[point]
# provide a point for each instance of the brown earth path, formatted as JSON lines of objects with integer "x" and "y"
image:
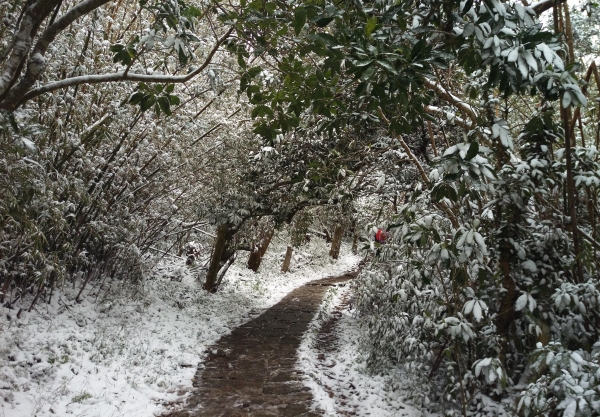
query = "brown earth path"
{"x": 252, "y": 370}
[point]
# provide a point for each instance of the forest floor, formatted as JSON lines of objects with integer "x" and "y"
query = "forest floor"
{"x": 334, "y": 367}
{"x": 255, "y": 370}
{"x": 133, "y": 350}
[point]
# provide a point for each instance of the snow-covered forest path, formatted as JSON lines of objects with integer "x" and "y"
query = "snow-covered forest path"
{"x": 252, "y": 370}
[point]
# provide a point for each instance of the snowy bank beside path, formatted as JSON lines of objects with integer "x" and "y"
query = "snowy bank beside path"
{"x": 335, "y": 371}
{"x": 135, "y": 351}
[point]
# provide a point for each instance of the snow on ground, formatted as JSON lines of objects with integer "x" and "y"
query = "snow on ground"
{"x": 336, "y": 373}
{"x": 132, "y": 352}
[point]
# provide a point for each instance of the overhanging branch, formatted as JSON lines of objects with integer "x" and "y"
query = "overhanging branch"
{"x": 452, "y": 99}
{"x": 123, "y": 76}
{"x": 541, "y": 6}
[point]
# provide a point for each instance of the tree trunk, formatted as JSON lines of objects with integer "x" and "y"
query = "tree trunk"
{"x": 507, "y": 313}
{"x": 288, "y": 259}
{"x": 254, "y": 259}
{"x": 355, "y": 244}
{"x": 336, "y": 242}
{"x": 571, "y": 195}
{"x": 223, "y": 271}
{"x": 7, "y": 281}
{"x": 215, "y": 261}
{"x": 256, "y": 256}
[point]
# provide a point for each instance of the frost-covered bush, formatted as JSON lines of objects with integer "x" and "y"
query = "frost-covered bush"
{"x": 481, "y": 269}
{"x": 96, "y": 178}
{"x": 569, "y": 384}
{"x": 478, "y": 289}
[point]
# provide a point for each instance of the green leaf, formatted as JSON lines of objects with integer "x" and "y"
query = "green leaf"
{"x": 323, "y": 21}
{"x": 191, "y": 11}
{"x": 257, "y": 98}
{"x": 244, "y": 82}
{"x": 443, "y": 190}
{"x": 468, "y": 6}
{"x": 13, "y": 122}
{"x": 270, "y": 7}
{"x": 387, "y": 65}
{"x": 368, "y": 72}
{"x": 165, "y": 106}
{"x": 363, "y": 63}
{"x": 299, "y": 19}
{"x": 326, "y": 38}
{"x": 122, "y": 56}
{"x": 473, "y": 150}
{"x": 416, "y": 50}
{"x": 117, "y": 47}
{"x": 170, "y": 88}
{"x": 440, "y": 63}
{"x": 240, "y": 59}
{"x": 371, "y": 25}
{"x": 254, "y": 71}
{"x": 136, "y": 98}
{"x": 461, "y": 276}
{"x": 360, "y": 90}
{"x": 261, "y": 111}
{"x": 174, "y": 100}
{"x": 392, "y": 12}
{"x": 147, "y": 102}
{"x": 183, "y": 59}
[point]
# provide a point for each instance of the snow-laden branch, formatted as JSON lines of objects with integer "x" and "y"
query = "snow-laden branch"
{"x": 37, "y": 62}
{"x": 452, "y": 99}
{"x": 453, "y": 118}
{"x": 543, "y": 5}
{"x": 124, "y": 76}
{"x": 32, "y": 18}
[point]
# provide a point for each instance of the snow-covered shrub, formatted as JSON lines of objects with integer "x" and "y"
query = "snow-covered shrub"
{"x": 93, "y": 184}
{"x": 478, "y": 288}
{"x": 568, "y": 382}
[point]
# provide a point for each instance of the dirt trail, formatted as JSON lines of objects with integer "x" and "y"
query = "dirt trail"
{"x": 252, "y": 370}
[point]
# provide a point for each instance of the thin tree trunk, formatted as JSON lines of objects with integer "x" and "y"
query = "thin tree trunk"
{"x": 224, "y": 270}
{"x": 571, "y": 194}
{"x": 569, "y": 143}
{"x": 258, "y": 252}
{"x": 215, "y": 262}
{"x": 336, "y": 244}
{"x": 569, "y": 33}
{"x": 7, "y": 281}
{"x": 355, "y": 243}
{"x": 288, "y": 259}
{"x": 506, "y": 314}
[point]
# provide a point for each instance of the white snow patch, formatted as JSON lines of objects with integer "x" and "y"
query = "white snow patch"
{"x": 339, "y": 380}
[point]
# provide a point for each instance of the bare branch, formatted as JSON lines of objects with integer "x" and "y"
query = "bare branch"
{"x": 422, "y": 172}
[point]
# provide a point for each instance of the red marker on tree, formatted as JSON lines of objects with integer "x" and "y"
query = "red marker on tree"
{"x": 380, "y": 236}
